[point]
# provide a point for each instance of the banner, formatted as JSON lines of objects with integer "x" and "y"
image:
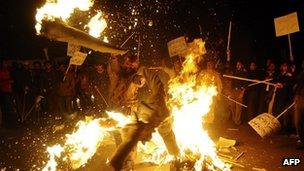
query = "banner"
{"x": 78, "y": 58}
{"x": 72, "y": 48}
{"x": 286, "y": 24}
{"x": 177, "y": 46}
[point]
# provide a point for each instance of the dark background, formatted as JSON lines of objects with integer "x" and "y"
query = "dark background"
{"x": 253, "y": 35}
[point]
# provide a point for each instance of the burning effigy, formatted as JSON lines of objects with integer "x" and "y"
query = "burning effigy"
{"x": 190, "y": 96}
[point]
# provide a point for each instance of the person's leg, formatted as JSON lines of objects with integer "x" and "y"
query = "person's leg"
{"x": 165, "y": 130}
{"x": 298, "y": 116}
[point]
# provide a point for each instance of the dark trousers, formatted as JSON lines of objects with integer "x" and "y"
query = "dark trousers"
{"x": 9, "y": 116}
{"x": 65, "y": 104}
{"x": 299, "y": 116}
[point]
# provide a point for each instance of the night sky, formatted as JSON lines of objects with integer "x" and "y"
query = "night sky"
{"x": 253, "y": 35}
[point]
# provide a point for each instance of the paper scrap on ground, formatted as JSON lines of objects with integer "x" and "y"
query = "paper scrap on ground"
{"x": 225, "y": 143}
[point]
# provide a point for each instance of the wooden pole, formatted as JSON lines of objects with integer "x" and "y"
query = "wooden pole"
{"x": 126, "y": 40}
{"x": 66, "y": 72}
{"x": 228, "y": 42}
{"x": 250, "y": 80}
{"x": 290, "y": 49}
{"x": 138, "y": 47}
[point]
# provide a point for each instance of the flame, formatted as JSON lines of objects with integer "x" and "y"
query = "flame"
{"x": 121, "y": 119}
{"x": 105, "y": 39}
{"x": 154, "y": 151}
{"x": 54, "y": 151}
{"x": 60, "y": 9}
{"x": 97, "y": 25}
{"x": 191, "y": 97}
{"x": 82, "y": 144}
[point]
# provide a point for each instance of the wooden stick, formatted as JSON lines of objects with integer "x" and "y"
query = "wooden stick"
{"x": 290, "y": 49}
{"x": 66, "y": 72}
{"x": 138, "y": 47}
{"x": 240, "y": 155}
{"x": 126, "y": 40}
{"x": 259, "y": 83}
{"x": 225, "y": 155}
{"x": 228, "y": 42}
{"x": 241, "y": 104}
{"x": 285, "y": 110}
{"x": 250, "y": 80}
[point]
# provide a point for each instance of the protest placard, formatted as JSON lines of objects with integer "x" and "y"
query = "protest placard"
{"x": 72, "y": 48}
{"x": 78, "y": 58}
{"x": 286, "y": 24}
{"x": 177, "y": 46}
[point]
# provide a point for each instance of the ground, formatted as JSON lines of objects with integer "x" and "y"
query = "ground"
{"x": 25, "y": 147}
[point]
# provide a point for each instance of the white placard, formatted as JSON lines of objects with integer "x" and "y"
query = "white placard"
{"x": 177, "y": 46}
{"x": 286, "y": 24}
{"x": 72, "y": 48}
{"x": 265, "y": 124}
{"x": 78, "y": 58}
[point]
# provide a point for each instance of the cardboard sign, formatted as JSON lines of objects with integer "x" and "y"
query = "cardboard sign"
{"x": 286, "y": 24}
{"x": 72, "y": 48}
{"x": 177, "y": 46}
{"x": 265, "y": 124}
{"x": 78, "y": 58}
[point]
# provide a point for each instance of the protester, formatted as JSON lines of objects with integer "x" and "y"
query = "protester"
{"x": 50, "y": 86}
{"x": 66, "y": 89}
{"x": 284, "y": 94}
{"x": 99, "y": 85}
{"x": 252, "y": 92}
{"x": 238, "y": 89}
{"x": 8, "y": 113}
{"x": 83, "y": 88}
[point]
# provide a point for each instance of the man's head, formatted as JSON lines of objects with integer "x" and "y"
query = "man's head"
{"x": 5, "y": 64}
{"x": 99, "y": 68}
{"x": 271, "y": 67}
{"x": 37, "y": 65}
{"x": 252, "y": 66}
{"x": 239, "y": 65}
{"x": 131, "y": 62}
{"x": 284, "y": 67}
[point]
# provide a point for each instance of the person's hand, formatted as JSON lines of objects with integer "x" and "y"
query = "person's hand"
{"x": 279, "y": 85}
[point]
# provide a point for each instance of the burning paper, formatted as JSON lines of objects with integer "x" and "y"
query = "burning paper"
{"x": 60, "y": 9}
{"x": 97, "y": 25}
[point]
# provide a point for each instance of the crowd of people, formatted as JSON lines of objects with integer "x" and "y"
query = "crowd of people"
{"x": 49, "y": 89}
{"x": 63, "y": 91}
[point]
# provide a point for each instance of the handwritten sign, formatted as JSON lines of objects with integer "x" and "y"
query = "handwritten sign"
{"x": 177, "y": 46}
{"x": 72, "y": 48}
{"x": 78, "y": 58}
{"x": 286, "y": 24}
{"x": 265, "y": 124}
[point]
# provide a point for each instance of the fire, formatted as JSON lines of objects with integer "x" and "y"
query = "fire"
{"x": 54, "y": 151}
{"x": 97, "y": 25}
{"x": 82, "y": 144}
{"x": 60, "y": 9}
{"x": 191, "y": 98}
{"x": 154, "y": 151}
{"x": 63, "y": 9}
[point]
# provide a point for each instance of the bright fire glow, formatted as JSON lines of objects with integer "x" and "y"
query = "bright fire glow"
{"x": 54, "y": 152}
{"x": 60, "y": 9}
{"x": 191, "y": 98}
{"x": 97, "y": 25}
{"x": 82, "y": 144}
{"x": 154, "y": 151}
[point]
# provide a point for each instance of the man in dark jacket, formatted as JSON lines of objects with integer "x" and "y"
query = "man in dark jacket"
{"x": 148, "y": 115}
